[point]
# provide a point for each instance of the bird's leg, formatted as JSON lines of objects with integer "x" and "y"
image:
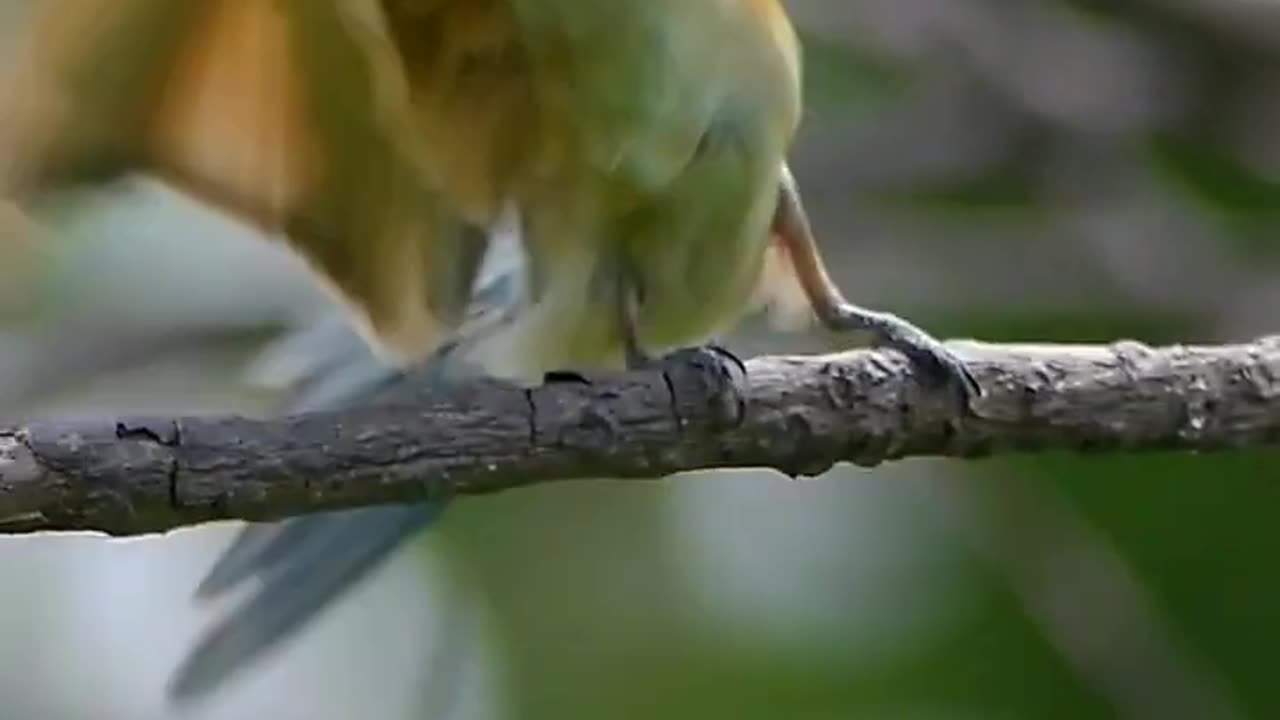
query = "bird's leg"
{"x": 628, "y": 305}
{"x": 938, "y": 364}
{"x": 628, "y": 302}
{"x": 728, "y": 369}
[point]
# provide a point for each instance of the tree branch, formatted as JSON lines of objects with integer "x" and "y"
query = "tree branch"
{"x": 799, "y": 415}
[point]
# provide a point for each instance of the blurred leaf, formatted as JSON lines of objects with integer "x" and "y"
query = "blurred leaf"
{"x": 837, "y": 75}
{"x": 1200, "y": 533}
{"x": 1245, "y": 204}
{"x": 1212, "y": 176}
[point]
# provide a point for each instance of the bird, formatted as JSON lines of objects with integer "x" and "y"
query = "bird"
{"x": 623, "y": 163}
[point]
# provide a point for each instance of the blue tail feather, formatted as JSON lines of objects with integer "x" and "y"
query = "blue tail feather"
{"x": 306, "y": 563}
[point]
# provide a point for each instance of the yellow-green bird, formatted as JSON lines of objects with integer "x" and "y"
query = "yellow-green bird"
{"x": 635, "y": 149}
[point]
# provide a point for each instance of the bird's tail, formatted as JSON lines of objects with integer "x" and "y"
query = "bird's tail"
{"x": 305, "y": 563}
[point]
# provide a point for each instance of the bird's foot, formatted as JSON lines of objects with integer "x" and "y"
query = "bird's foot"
{"x": 710, "y": 371}
{"x": 937, "y": 365}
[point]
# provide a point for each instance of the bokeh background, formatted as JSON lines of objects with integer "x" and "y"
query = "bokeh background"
{"x": 1001, "y": 169}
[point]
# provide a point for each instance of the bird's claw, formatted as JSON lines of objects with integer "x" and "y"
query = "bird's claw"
{"x": 573, "y": 377}
{"x": 711, "y": 361}
{"x": 938, "y": 366}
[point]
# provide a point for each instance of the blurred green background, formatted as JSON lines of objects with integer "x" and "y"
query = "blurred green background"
{"x": 1001, "y": 169}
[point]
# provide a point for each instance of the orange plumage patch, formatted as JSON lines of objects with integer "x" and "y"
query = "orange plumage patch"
{"x": 779, "y": 290}
{"x": 232, "y": 118}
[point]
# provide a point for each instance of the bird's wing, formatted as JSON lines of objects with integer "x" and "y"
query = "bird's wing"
{"x": 289, "y": 114}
